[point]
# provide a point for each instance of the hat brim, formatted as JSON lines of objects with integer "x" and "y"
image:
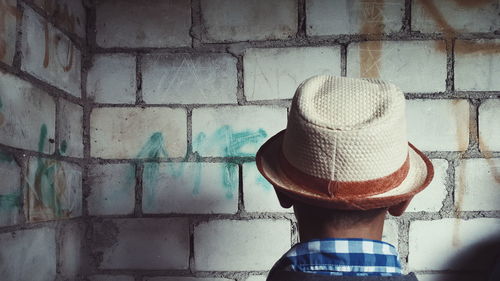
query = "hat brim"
{"x": 419, "y": 176}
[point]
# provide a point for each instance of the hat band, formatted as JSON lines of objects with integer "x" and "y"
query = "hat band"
{"x": 345, "y": 189}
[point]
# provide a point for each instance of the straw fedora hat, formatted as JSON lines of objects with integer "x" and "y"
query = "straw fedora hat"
{"x": 345, "y": 147}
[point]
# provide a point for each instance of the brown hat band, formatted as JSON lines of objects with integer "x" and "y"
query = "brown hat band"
{"x": 344, "y": 189}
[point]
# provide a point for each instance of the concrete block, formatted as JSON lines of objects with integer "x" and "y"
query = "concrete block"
{"x": 388, "y": 59}
{"x": 258, "y": 193}
{"x": 233, "y": 245}
{"x": 477, "y": 64}
{"x": 489, "y": 135}
{"x": 112, "y": 189}
{"x": 143, "y": 244}
{"x": 242, "y": 20}
{"x": 476, "y": 185}
{"x": 438, "y": 125}
{"x": 70, "y": 251}
{"x": 10, "y": 190}
{"x": 461, "y": 244}
{"x": 454, "y": 16}
{"x": 199, "y": 188}
{"x": 275, "y": 73}
{"x": 102, "y": 277}
{"x": 49, "y": 55}
{"x": 9, "y": 15}
{"x": 54, "y": 190}
{"x": 390, "y": 233}
{"x": 158, "y": 132}
{"x": 227, "y": 131}
{"x": 177, "y": 278}
{"x": 70, "y": 129}
{"x": 112, "y": 78}
{"x": 28, "y": 253}
{"x": 432, "y": 197}
{"x": 325, "y": 17}
{"x": 189, "y": 78}
{"x": 27, "y": 115}
{"x": 68, "y": 14}
{"x": 135, "y": 24}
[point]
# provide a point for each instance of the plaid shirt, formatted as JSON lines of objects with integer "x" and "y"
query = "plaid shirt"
{"x": 349, "y": 257}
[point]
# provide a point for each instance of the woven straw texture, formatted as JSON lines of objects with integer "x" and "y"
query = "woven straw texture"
{"x": 335, "y": 132}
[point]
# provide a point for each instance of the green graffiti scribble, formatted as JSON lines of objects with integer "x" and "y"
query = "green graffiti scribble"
{"x": 10, "y": 201}
{"x": 232, "y": 143}
{"x": 229, "y": 178}
{"x": 49, "y": 182}
{"x": 153, "y": 149}
{"x": 6, "y": 157}
{"x": 63, "y": 147}
{"x": 262, "y": 182}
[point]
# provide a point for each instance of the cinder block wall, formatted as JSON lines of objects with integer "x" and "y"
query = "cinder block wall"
{"x": 178, "y": 95}
{"x": 41, "y": 139}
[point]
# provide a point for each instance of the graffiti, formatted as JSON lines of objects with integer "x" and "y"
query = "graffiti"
{"x": 64, "y": 51}
{"x": 63, "y": 147}
{"x": 47, "y": 190}
{"x": 5, "y": 10}
{"x": 61, "y": 14}
{"x": 449, "y": 32}
{"x": 370, "y": 52}
{"x": 9, "y": 201}
{"x": 65, "y": 60}
{"x": 230, "y": 141}
{"x": 234, "y": 141}
{"x": 262, "y": 182}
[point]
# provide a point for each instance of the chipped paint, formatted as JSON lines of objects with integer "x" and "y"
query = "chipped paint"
{"x": 47, "y": 187}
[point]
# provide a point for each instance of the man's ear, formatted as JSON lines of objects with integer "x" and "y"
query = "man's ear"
{"x": 399, "y": 209}
{"x": 285, "y": 202}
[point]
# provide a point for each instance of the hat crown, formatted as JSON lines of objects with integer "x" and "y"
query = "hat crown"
{"x": 340, "y": 103}
{"x": 346, "y": 129}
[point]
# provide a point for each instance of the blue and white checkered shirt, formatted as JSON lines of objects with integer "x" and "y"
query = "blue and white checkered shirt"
{"x": 342, "y": 257}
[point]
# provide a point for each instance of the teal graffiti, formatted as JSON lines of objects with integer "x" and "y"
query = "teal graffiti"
{"x": 63, "y": 147}
{"x": 6, "y": 157}
{"x": 262, "y": 182}
{"x": 49, "y": 182}
{"x": 12, "y": 200}
{"x": 154, "y": 149}
{"x": 231, "y": 142}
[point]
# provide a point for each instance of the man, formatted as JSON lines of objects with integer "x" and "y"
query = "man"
{"x": 343, "y": 162}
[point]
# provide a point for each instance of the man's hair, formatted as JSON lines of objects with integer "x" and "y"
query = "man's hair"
{"x": 335, "y": 217}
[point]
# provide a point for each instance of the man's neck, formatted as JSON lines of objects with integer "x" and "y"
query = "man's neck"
{"x": 364, "y": 231}
{"x": 309, "y": 230}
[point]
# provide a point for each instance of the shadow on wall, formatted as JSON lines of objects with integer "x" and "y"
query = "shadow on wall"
{"x": 483, "y": 257}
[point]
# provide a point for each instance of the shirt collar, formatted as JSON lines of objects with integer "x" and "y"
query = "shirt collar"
{"x": 353, "y": 256}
